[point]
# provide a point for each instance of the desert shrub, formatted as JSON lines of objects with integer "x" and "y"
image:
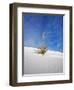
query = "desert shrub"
{"x": 42, "y": 50}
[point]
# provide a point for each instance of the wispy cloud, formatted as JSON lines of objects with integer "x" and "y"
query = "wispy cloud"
{"x": 43, "y": 35}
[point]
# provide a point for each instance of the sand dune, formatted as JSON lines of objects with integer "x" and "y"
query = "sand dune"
{"x": 34, "y": 63}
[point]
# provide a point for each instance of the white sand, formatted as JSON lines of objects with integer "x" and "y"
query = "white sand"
{"x": 34, "y": 63}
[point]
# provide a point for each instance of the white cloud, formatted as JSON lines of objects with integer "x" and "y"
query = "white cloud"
{"x": 43, "y": 35}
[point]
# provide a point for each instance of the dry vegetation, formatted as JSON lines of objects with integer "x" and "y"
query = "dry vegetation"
{"x": 42, "y": 50}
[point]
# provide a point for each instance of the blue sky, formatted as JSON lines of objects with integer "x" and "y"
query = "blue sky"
{"x": 44, "y": 30}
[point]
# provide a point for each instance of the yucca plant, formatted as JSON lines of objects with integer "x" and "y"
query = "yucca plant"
{"x": 42, "y": 50}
